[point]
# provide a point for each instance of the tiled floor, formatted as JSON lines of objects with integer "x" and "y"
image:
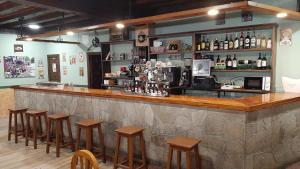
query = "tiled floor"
{"x": 6, "y": 101}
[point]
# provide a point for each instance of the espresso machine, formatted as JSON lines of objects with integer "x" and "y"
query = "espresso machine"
{"x": 172, "y": 75}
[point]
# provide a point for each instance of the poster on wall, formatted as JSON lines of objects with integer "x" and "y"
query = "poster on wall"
{"x": 41, "y": 71}
{"x": 19, "y": 67}
{"x": 65, "y": 70}
{"x": 81, "y": 57}
{"x": 286, "y": 37}
{"x": 64, "y": 57}
{"x": 72, "y": 60}
{"x": 81, "y": 71}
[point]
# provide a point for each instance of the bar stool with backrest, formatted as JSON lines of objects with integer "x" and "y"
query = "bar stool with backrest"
{"x": 86, "y": 160}
{"x": 37, "y": 128}
{"x": 130, "y": 132}
{"x": 59, "y": 142}
{"x": 89, "y": 125}
{"x": 13, "y": 113}
{"x": 185, "y": 144}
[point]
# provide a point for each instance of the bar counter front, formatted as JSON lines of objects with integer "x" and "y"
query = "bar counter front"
{"x": 255, "y": 132}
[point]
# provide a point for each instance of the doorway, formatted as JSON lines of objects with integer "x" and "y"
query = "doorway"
{"x": 53, "y": 68}
{"x": 94, "y": 70}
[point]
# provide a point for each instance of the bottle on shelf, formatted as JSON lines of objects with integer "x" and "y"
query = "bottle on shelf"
{"x": 264, "y": 62}
{"x": 203, "y": 43}
{"x": 226, "y": 60}
{"x": 234, "y": 62}
{"x": 221, "y": 44}
{"x": 236, "y": 42}
{"x": 245, "y": 62}
{"x": 242, "y": 39}
{"x": 216, "y": 44}
{"x": 263, "y": 42}
{"x": 247, "y": 41}
{"x": 207, "y": 45}
{"x": 211, "y": 45}
{"x": 218, "y": 59}
{"x": 269, "y": 43}
{"x": 226, "y": 43}
{"x": 212, "y": 62}
{"x": 198, "y": 48}
{"x": 259, "y": 62}
{"x": 253, "y": 40}
{"x": 229, "y": 63}
{"x": 258, "y": 41}
{"x": 231, "y": 43}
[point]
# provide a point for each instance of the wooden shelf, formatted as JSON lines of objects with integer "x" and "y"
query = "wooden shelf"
{"x": 117, "y": 60}
{"x": 241, "y": 70}
{"x": 116, "y": 86}
{"x": 118, "y": 42}
{"x": 173, "y": 53}
{"x": 238, "y": 50}
{"x": 118, "y": 78}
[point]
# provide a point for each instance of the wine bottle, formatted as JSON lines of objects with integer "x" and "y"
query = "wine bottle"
{"x": 221, "y": 45}
{"x": 229, "y": 63}
{"x": 263, "y": 42}
{"x": 226, "y": 43}
{"x": 216, "y": 44}
{"x": 247, "y": 41}
{"x": 234, "y": 62}
{"x": 259, "y": 62}
{"x": 242, "y": 39}
{"x": 269, "y": 43}
{"x": 207, "y": 44}
{"x": 212, "y": 62}
{"x": 203, "y": 43}
{"x": 231, "y": 43}
{"x": 264, "y": 62}
{"x": 236, "y": 42}
{"x": 226, "y": 60}
{"x": 199, "y": 45}
{"x": 253, "y": 40}
{"x": 258, "y": 41}
{"x": 211, "y": 45}
{"x": 245, "y": 62}
{"x": 218, "y": 59}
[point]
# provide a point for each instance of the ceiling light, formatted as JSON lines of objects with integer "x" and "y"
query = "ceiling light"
{"x": 120, "y": 25}
{"x": 29, "y": 39}
{"x": 70, "y": 33}
{"x": 282, "y": 15}
{"x": 34, "y": 26}
{"x": 213, "y": 12}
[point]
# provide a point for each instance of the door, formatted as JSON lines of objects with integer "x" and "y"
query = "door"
{"x": 53, "y": 68}
{"x": 94, "y": 70}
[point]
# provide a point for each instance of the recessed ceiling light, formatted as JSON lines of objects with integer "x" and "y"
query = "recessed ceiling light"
{"x": 34, "y": 26}
{"x": 70, "y": 33}
{"x": 282, "y": 15}
{"x": 213, "y": 12}
{"x": 29, "y": 39}
{"x": 120, "y": 25}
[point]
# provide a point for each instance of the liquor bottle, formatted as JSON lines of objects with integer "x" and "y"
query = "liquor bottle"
{"x": 253, "y": 40}
{"x": 229, "y": 63}
{"x": 218, "y": 59}
{"x": 259, "y": 62}
{"x": 234, "y": 62}
{"x": 269, "y": 43}
{"x": 231, "y": 43}
{"x": 242, "y": 39}
{"x": 247, "y": 41}
{"x": 245, "y": 62}
{"x": 212, "y": 62}
{"x": 236, "y": 42}
{"x": 264, "y": 62}
{"x": 221, "y": 45}
{"x": 258, "y": 41}
{"x": 263, "y": 42}
{"x": 207, "y": 44}
{"x": 203, "y": 43}
{"x": 198, "y": 48}
{"x": 216, "y": 44}
{"x": 226, "y": 60}
{"x": 211, "y": 45}
{"x": 226, "y": 43}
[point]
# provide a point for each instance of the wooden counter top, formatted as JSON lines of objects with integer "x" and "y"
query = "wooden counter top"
{"x": 246, "y": 104}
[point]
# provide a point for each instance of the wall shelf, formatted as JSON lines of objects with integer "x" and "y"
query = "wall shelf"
{"x": 241, "y": 70}
{"x": 173, "y": 53}
{"x": 119, "y": 42}
{"x": 238, "y": 50}
{"x": 130, "y": 60}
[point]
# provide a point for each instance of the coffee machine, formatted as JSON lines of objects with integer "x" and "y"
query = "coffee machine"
{"x": 172, "y": 75}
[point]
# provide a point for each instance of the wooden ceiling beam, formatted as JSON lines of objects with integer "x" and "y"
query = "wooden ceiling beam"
{"x": 7, "y": 5}
{"x": 66, "y": 20}
{"x": 238, "y": 6}
{"x": 20, "y": 13}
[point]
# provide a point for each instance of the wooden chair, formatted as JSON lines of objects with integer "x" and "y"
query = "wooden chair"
{"x": 86, "y": 159}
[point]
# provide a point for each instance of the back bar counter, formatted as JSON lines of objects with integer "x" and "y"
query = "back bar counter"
{"x": 244, "y": 133}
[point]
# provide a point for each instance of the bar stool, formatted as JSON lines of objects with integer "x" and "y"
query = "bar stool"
{"x": 31, "y": 134}
{"x": 183, "y": 144}
{"x": 14, "y": 129}
{"x": 130, "y": 132}
{"x": 89, "y": 125}
{"x": 59, "y": 142}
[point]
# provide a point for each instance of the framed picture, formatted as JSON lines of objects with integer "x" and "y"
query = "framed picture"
{"x": 286, "y": 37}
{"x": 19, "y": 67}
{"x": 18, "y": 47}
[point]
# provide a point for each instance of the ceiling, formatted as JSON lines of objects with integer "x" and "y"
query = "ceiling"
{"x": 66, "y": 14}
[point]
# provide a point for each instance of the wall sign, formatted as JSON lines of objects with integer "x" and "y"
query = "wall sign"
{"x": 19, "y": 67}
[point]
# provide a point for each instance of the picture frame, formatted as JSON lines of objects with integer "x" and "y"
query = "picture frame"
{"x": 18, "y": 48}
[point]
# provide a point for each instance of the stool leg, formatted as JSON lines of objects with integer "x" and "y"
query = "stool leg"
{"x": 35, "y": 132}
{"x": 143, "y": 150}
{"x": 62, "y": 132}
{"x": 178, "y": 159}
{"x": 130, "y": 152}
{"x": 48, "y": 135}
{"x": 46, "y": 125}
{"x": 9, "y": 126}
{"x": 117, "y": 149}
{"x": 27, "y": 129}
{"x": 40, "y": 127}
{"x": 58, "y": 136}
{"x": 101, "y": 140}
{"x": 16, "y": 127}
{"x": 88, "y": 138}
{"x": 198, "y": 162}
{"x": 22, "y": 124}
{"x": 170, "y": 155}
{"x": 188, "y": 160}
{"x": 78, "y": 137}
{"x": 70, "y": 134}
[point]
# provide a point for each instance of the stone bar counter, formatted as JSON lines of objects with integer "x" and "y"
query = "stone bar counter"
{"x": 256, "y": 132}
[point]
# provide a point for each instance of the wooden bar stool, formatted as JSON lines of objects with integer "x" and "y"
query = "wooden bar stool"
{"x": 59, "y": 142}
{"x": 14, "y": 129}
{"x": 36, "y": 131}
{"x": 89, "y": 125}
{"x": 183, "y": 144}
{"x": 130, "y": 133}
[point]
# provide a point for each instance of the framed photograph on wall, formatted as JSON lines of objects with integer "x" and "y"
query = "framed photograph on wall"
{"x": 19, "y": 67}
{"x": 18, "y": 48}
